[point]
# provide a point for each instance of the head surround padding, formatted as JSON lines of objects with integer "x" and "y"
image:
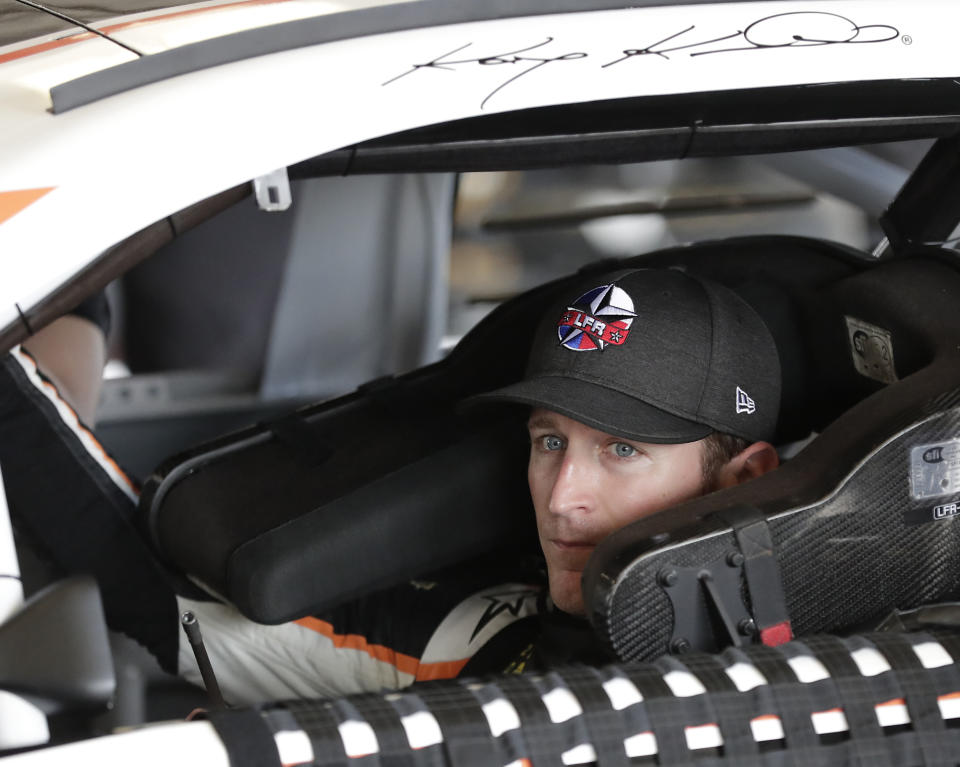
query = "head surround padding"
{"x": 257, "y": 519}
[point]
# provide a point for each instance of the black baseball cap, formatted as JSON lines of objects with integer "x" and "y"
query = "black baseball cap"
{"x": 655, "y": 355}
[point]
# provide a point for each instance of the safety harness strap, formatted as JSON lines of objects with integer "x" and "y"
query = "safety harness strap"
{"x": 762, "y": 573}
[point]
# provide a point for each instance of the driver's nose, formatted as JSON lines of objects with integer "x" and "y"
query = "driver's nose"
{"x": 574, "y": 490}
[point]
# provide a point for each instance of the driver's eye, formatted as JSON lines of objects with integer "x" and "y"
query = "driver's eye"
{"x": 623, "y": 450}
{"x": 552, "y": 442}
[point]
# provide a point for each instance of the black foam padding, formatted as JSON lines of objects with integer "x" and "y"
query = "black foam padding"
{"x": 790, "y": 282}
{"x": 311, "y": 563}
{"x": 307, "y": 537}
{"x": 283, "y": 537}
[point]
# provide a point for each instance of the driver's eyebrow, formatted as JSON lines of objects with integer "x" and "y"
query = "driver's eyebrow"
{"x": 541, "y": 422}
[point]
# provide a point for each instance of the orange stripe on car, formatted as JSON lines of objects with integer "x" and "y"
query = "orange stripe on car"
{"x": 406, "y": 664}
{"x": 13, "y": 202}
{"x": 47, "y": 46}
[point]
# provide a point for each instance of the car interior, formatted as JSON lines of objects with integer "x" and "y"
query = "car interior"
{"x": 247, "y": 448}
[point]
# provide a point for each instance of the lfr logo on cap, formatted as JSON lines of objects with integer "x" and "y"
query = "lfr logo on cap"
{"x": 599, "y": 317}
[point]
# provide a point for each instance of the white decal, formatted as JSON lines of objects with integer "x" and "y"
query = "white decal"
{"x": 935, "y": 471}
{"x": 745, "y": 403}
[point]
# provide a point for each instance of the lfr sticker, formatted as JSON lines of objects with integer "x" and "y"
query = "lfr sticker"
{"x": 935, "y": 470}
{"x": 925, "y": 514}
{"x": 872, "y": 350}
{"x": 945, "y": 510}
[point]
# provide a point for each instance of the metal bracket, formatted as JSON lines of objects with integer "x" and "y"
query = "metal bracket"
{"x": 708, "y": 608}
{"x": 273, "y": 191}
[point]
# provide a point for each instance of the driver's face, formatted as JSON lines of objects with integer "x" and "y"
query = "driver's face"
{"x": 585, "y": 484}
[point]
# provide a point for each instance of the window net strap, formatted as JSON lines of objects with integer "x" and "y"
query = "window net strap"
{"x": 870, "y": 700}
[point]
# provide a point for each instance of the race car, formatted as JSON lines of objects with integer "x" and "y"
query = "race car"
{"x": 175, "y": 130}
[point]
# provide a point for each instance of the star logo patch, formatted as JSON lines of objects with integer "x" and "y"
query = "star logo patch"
{"x": 600, "y": 317}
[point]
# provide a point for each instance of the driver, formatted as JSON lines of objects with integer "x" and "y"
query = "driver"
{"x": 648, "y": 388}
{"x": 644, "y": 388}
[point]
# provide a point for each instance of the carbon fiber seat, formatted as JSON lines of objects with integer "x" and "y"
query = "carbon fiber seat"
{"x": 861, "y": 522}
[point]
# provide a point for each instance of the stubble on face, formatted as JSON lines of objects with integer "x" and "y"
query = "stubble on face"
{"x": 585, "y": 484}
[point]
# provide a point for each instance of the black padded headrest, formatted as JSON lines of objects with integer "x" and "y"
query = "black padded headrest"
{"x": 789, "y": 282}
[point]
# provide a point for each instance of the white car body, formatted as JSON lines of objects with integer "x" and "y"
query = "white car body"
{"x": 98, "y": 143}
{"x": 75, "y": 182}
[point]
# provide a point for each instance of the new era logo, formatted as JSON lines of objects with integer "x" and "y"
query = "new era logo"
{"x": 745, "y": 403}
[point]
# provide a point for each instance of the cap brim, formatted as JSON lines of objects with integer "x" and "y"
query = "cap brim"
{"x": 598, "y": 407}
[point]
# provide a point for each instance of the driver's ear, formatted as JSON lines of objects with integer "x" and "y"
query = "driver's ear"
{"x": 751, "y": 462}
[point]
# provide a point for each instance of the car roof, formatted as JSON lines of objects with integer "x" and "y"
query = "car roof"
{"x": 103, "y": 138}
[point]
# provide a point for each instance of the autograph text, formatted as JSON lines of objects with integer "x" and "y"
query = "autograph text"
{"x": 800, "y": 29}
